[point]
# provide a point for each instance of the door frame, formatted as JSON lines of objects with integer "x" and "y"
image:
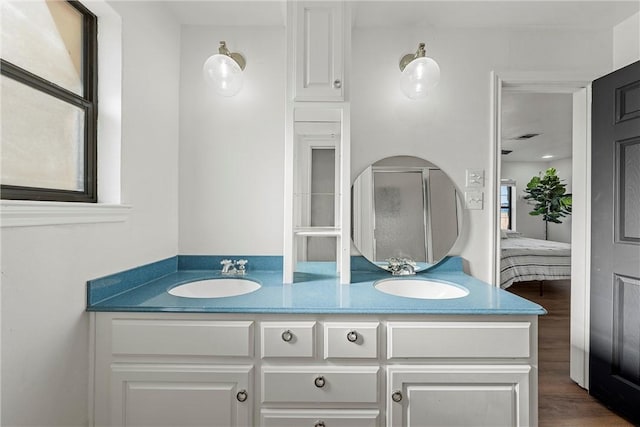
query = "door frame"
{"x": 578, "y": 84}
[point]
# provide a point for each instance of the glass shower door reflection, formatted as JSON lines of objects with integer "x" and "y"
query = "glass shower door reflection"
{"x": 399, "y": 215}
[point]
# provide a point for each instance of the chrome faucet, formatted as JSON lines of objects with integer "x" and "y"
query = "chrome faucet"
{"x": 234, "y": 266}
{"x": 241, "y": 266}
{"x": 401, "y": 266}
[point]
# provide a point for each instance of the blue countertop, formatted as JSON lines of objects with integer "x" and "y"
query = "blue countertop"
{"x": 316, "y": 289}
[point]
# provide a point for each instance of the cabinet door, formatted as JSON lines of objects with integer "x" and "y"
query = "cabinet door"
{"x": 319, "y": 51}
{"x": 474, "y": 396}
{"x": 180, "y": 395}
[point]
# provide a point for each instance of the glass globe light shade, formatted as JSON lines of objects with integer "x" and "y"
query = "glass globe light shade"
{"x": 419, "y": 77}
{"x": 223, "y": 74}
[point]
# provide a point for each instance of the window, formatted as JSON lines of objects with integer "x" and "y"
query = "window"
{"x": 49, "y": 101}
{"x": 507, "y": 206}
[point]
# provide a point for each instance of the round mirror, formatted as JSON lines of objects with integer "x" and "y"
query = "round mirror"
{"x": 405, "y": 208}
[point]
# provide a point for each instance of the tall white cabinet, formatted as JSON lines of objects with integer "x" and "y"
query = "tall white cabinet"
{"x": 317, "y": 142}
{"x": 319, "y": 45}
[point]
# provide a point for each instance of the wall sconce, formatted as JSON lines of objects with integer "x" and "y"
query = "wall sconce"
{"x": 419, "y": 74}
{"x": 223, "y": 71}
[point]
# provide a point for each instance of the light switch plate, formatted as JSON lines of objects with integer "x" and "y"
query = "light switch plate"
{"x": 474, "y": 199}
{"x": 475, "y": 178}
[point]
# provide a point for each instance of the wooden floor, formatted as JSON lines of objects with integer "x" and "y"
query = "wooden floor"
{"x": 561, "y": 401}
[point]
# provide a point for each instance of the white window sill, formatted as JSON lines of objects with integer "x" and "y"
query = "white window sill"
{"x": 25, "y": 213}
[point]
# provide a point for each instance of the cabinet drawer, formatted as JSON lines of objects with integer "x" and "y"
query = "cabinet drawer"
{"x": 458, "y": 339}
{"x": 321, "y": 417}
{"x": 320, "y": 384}
{"x": 351, "y": 340}
{"x": 182, "y": 337}
{"x": 287, "y": 339}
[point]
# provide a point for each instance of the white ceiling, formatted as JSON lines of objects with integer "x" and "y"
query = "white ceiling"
{"x": 238, "y": 13}
{"x": 585, "y": 14}
{"x": 494, "y": 14}
{"x": 549, "y": 114}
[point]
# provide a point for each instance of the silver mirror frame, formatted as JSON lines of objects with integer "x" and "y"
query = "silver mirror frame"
{"x": 422, "y": 235}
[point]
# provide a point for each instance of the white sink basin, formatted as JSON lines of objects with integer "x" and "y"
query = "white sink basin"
{"x": 215, "y": 288}
{"x": 418, "y": 288}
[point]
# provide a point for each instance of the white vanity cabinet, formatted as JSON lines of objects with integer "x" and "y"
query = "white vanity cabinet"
{"x": 462, "y": 373}
{"x": 297, "y": 390}
{"x": 153, "y": 370}
{"x": 458, "y": 395}
{"x": 317, "y": 370}
{"x": 179, "y": 395}
{"x": 318, "y": 50}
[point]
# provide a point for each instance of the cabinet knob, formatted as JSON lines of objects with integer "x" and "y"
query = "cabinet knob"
{"x": 319, "y": 424}
{"x": 287, "y": 336}
{"x": 337, "y": 84}
{"x": 319, "y": 382}
{"x": 242, "y": 395}
{"x": 396, "y": 396}
{"x": 352, "y": 336}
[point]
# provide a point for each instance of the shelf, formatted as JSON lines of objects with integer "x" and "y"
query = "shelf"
{"x": 317, "y": 231}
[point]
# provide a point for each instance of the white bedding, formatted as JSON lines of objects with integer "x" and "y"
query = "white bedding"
{"x": 524, "y": 259}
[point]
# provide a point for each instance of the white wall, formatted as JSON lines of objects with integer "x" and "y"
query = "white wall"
{"x": 45, "y": 330}
{"x": 232, "y": 149}
{"x": 452, "y": 127}
{"x": 626, "y": 42}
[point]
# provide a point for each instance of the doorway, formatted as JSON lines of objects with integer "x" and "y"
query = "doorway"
{"x": 578, "y": 89}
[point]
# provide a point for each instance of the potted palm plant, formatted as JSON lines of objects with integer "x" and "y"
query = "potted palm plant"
{"x": 549, "y": 197}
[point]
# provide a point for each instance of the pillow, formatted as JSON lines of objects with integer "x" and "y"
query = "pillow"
{"x": 503, "y": 234}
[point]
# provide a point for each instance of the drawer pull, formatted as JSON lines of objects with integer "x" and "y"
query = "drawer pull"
{"x": 337, "y": 84}
{"x": 396, "y": 396}
{"x": 352, "y": 336}
{"x": 287, "y": 336}
{"x": 319, "y": 424}
{"x": 242, "y": 395}
{"x": 319, "y": 382}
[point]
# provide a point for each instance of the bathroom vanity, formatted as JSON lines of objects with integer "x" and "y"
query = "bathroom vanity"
{"x": 313, "y": 353}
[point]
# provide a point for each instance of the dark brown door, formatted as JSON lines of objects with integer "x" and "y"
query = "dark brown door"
{"x": 615, "y": 242}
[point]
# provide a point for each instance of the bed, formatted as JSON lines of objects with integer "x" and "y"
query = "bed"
{"x": 524, "y": 259}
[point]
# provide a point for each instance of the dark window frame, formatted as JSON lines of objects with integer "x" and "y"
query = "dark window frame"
{"x": 88, "y": 101}
{"x": 509, "y": 205}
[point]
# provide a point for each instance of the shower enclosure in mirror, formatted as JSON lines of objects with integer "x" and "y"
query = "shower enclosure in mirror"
{"x": 405, "y": 207}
